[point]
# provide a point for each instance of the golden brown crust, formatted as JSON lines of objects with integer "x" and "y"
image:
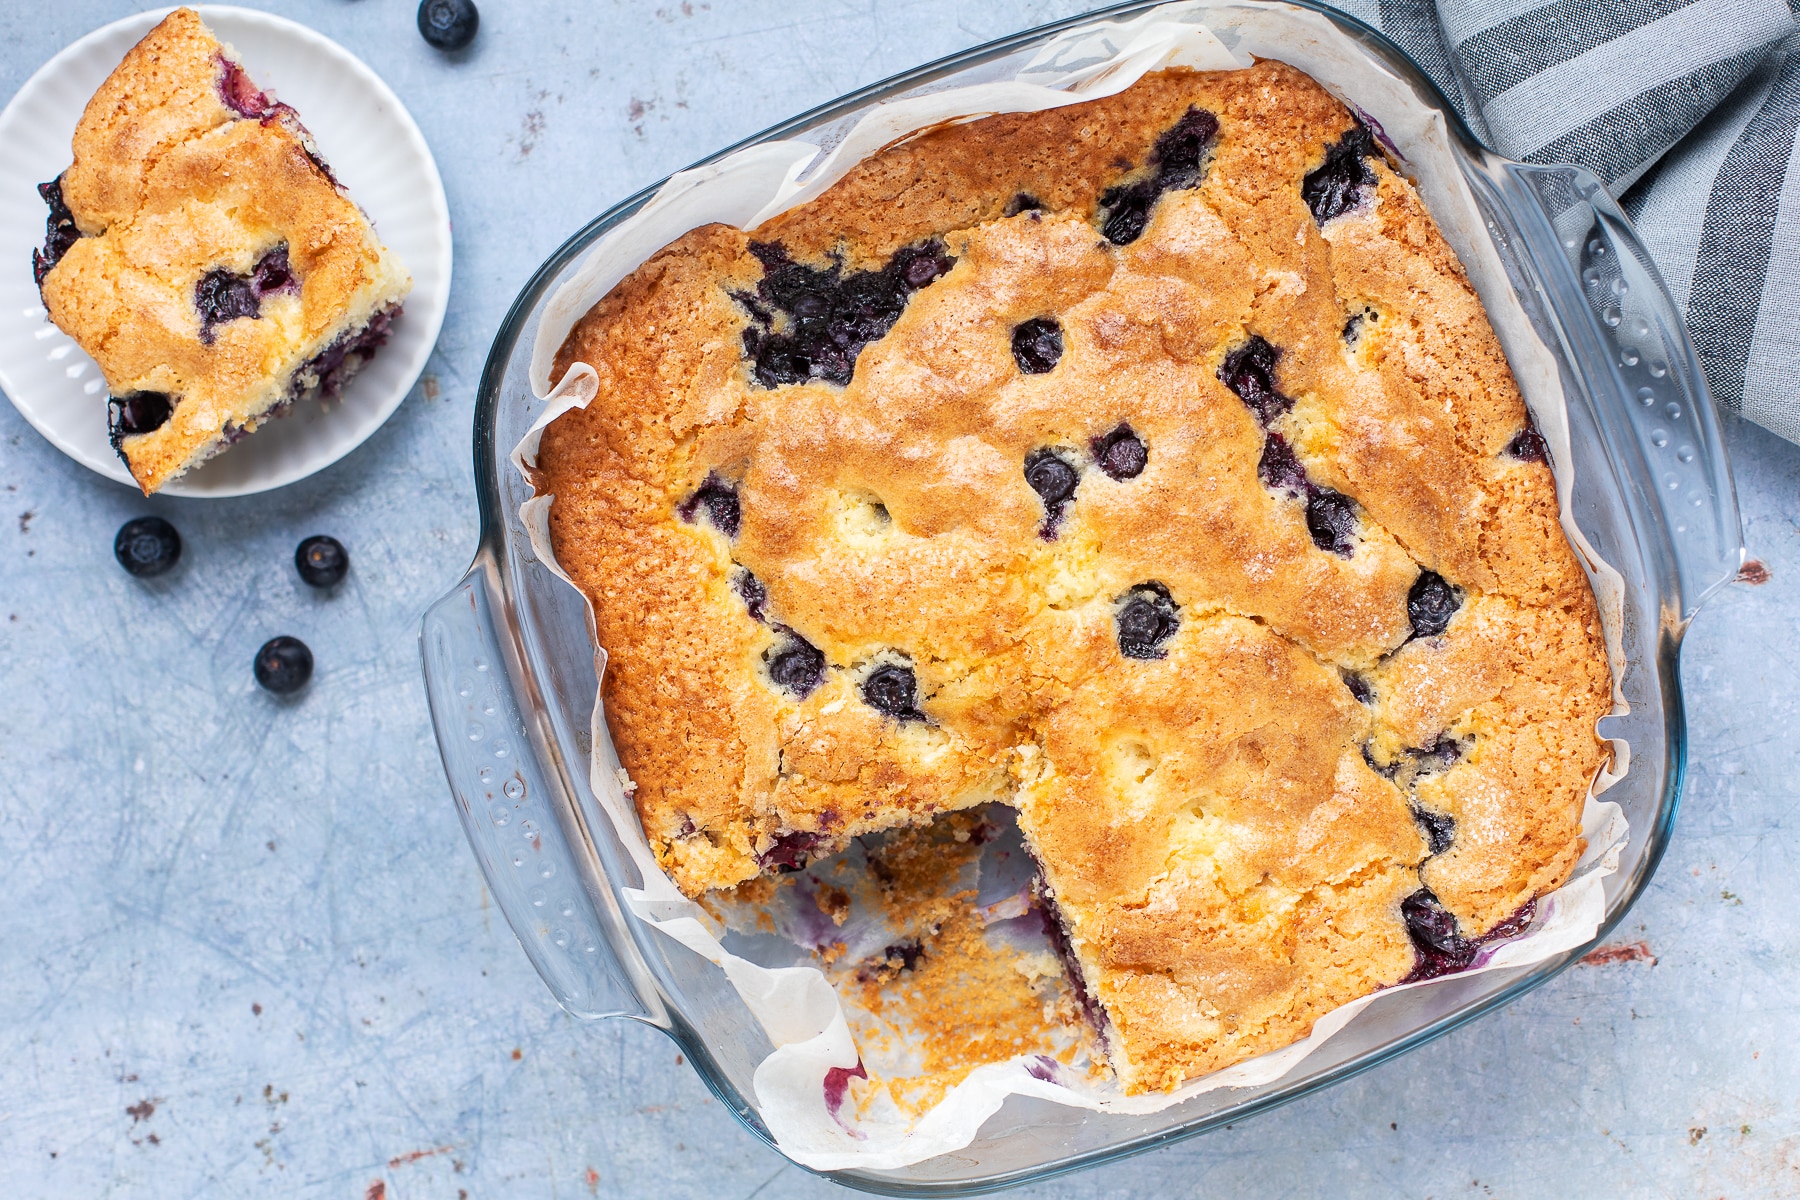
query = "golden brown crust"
{"x": 1227, "y": 829}
{"x": 168, "y": 184}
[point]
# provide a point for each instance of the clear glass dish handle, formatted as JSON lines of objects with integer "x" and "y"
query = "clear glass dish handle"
{"x": 1626, "y": 339}
{"x": 508, "y": 805}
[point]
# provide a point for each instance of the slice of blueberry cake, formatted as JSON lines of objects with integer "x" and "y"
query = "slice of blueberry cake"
{"x": 1148, "y": 465}
{"x": 202, "y": 252}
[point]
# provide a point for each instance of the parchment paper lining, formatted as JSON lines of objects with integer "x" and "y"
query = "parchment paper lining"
{"x": 796, "y": 1005}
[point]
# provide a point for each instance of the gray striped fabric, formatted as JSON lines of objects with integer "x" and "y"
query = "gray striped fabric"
{"x": 1689, "y": 109}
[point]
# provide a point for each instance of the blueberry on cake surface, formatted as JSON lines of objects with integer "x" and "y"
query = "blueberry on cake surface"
{"x": 1271, "y": 636}
{"x": 200, "y": 250}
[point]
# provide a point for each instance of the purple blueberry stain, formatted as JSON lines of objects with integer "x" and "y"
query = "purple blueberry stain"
{"x": 1121, "y": 454}
{"x": 1022, "y": 203}
{"x": 1345, "y": 179}
{"x": 223, "y": 295}
{"x": 1037, "y": 345}
{"x": 1430, "y": 604}
{"x": 1249, "y": 371}
{"x": 60, "y": 232}
{"x": 1147, "y": 617}
{"x": 837, "y": 1091}
{"x": 1178, "y": 157}
{"x": 811, "y": 323}
{"x": 1359, "y": 686}
{"x": 718, "y": 500}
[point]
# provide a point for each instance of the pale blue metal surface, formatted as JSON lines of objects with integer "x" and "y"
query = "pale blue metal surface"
{"x": 244, "y": 948}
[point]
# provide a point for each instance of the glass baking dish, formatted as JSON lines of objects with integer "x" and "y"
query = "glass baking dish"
{"x": 510, "y": 665}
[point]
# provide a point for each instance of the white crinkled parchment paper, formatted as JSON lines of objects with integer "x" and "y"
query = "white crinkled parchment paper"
{"x": 796, "y": 1005}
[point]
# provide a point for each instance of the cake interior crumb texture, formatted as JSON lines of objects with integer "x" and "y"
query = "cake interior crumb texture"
{"x": 201, "y": 251}
{"x": 1147, "y": 465}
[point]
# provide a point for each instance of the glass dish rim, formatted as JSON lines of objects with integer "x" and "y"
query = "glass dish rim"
{"x": 492, "y": 554}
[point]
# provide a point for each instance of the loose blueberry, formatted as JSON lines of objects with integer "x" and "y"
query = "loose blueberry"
{"x": 59, "y": 231}
{"x": 719, "y": 500}
{"x": 1431, "y": 603}
{"x": 1147, "y": 618}
{"x": 1121, "y": 454}
{"x": 1177, "y": 156}
{"x": 283, "y": 665}
{"x": 1438, "y": 828}
{"x": 1037, "y": 344}
{"x": 1280, "y": 470}
{"x": 1249, "y": 371}
{"x": 893, "y": 691}
{"x": 147, "y": 546}
{"x": 135, "y": 413}
{"x": 1341, "y": 181}
{"x": 831, "y": 315}
{"x": 1331, "y": 519}
{"x": 321, "y": 561}
{"x": 448, "y": 24}
{"x": 797, "y": 667}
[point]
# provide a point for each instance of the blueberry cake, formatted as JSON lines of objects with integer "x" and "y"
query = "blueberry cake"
{"x": 1148, "y": 465}
{"x": 203, "y": 253}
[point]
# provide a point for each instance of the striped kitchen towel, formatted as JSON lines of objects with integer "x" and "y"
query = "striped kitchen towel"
{"x": 1688, "y": 110}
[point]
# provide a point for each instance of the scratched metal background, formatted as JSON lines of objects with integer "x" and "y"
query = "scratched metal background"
{"x": 244, "y": 949}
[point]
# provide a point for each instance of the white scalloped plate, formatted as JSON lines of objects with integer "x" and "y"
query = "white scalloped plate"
{"x": 373, "y": 147}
